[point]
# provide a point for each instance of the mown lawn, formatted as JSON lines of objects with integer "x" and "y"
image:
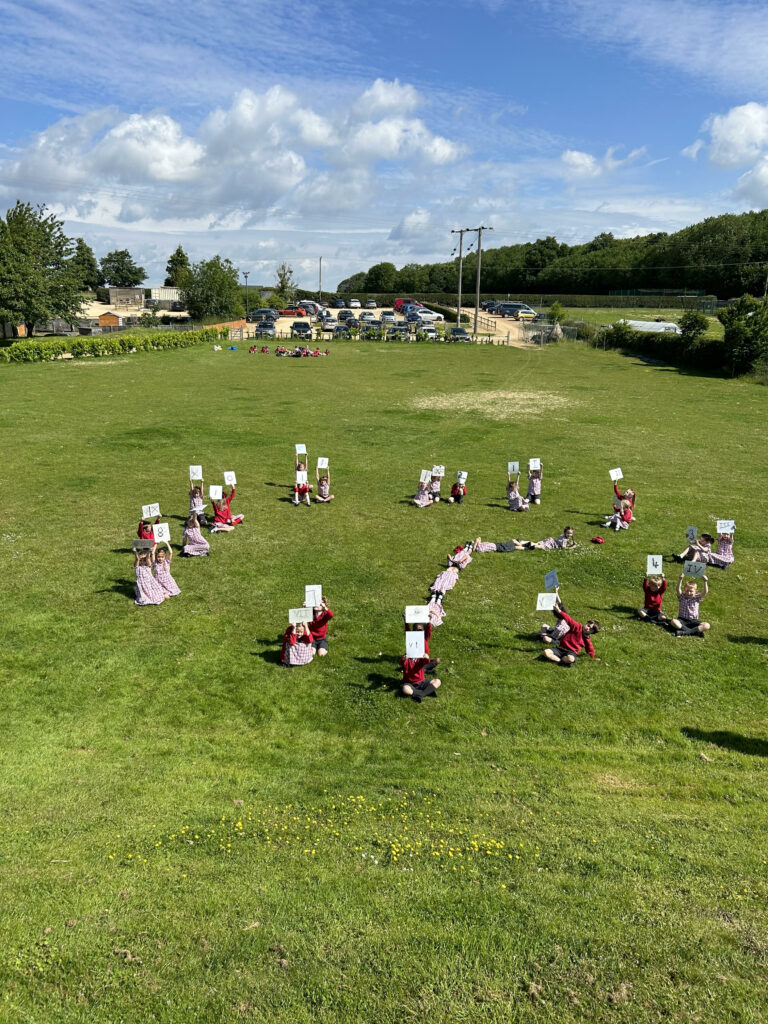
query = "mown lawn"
{"x": 193, "y": 833}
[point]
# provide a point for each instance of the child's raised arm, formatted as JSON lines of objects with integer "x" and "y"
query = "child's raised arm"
{"x": 153, "y": 554}
{"x": 317, "y": 474}
{"x": 135, "y": 557}
{"x": 680, "y": 584}
{"x": 705, "y": 591}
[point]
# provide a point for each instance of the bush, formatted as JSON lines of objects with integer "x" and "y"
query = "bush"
{"x": 35, "y": 351}
{"x": 706, "y": 355}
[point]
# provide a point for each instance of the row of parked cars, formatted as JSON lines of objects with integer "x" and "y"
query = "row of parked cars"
{"x": 415, "y": 319}
{"x": 516, "y": 310}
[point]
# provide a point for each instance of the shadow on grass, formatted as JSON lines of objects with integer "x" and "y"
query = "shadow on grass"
{"x": 125, "y": 587}
{"x": 761, "y": 641}
{"x": 391, "y": 659}
{"x": 496, "y": 504}
{"x": 378, "y": 681}
{"x": 628, "y": 609}
{"x": 273, "y": 651}
{"x": 730, "y": 741}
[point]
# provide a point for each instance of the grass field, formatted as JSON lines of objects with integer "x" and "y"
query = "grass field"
{"x": 191, "y": 832}
{"x": 610, "y": 316}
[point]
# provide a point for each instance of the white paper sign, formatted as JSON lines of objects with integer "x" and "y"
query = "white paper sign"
{"x": 438, "y": 471}
{"x": 461, "y": 477}
{"x": 534, "y": 464}
{"x": 545, "y": 602}
{"x": 691, "y": 533}
{"x": 417, "y": 613}
{"x": 414, "y": 643}
{"x": 140, "y": 545}
{"x": 425, "y": 477}
{"x": 301, "y": 476}
{"x": 654, "y": 566}
{"x": 616, "y": 475}
{"x": 313, "y": 595}
{"x": 551, "y": 581}
{"x": 162, "y": 531}
{"x": 513, "y": 468}
{"x": 301, "y": 449}
{"x": 322, "y": 463}
{"x": 296, "y": 615}
{"x": 150, "y": 511}
{"x": 230, "y": 479}
{"x": 726, "y": 526}
{"x": 214, "y": 492}
{"x": 695, "y": 568}
{"x": 195, "y": 472}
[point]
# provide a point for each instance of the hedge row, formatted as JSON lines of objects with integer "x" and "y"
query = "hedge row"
{"x": 45, "y": 349}
{"x": 707, "y": 355}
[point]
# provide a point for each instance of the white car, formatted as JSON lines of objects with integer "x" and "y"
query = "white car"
{"x": 426, "y": 331}
{"x": 354, "y": 303}
{"x": 428, "y": 316}
{"x": 367, "y": 317}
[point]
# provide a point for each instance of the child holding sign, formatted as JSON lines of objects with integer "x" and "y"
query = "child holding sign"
{"x": 298, "y": 646}
{"x": 459, "y": 489}
{"x": 723, "y": 556}
{"x": 301, "y": 488}
{"x": 621, "y": 517}
{"x": 422, "y": 498}
{"x": 654, "y": 589}
{"x": 434, "y": 486}
{"x": 554, "y": 634}
{"x": 687, "y": 622}
{"x": 321, "y": 616}
{"x": 148, "y": 589}
{"x": 162, "y": 569}
{"x": 574, "y": 641}
{"x": 535, "y": 475}
{"x": 193, "y": 542}
{"x": 323, "y": 482}
{"x": 698, "y": 550}
{"x": 515, "y": 500}
{"x": 223, "y": 520}
{"x": 415, "y": 683}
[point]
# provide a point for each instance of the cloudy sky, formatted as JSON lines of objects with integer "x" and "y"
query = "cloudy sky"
{"x": 268, "y": 131}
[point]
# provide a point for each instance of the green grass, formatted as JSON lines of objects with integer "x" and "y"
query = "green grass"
{"x": 610, "y": 316}
{"x": 193, "y": 833}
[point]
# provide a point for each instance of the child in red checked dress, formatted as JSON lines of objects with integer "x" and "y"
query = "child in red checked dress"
{"x": 516, "y": 502}
{"x": 534, "y": 485}
{"x": 321, "y": 616}
{"x": 193, "y": 542}
{"x": 298, "y": 645}
{"x": 445, "y": 581}
{"x": 415, "y": 684}
{"x": 654, "y": 588}
{"x": 148, "y": 590}
{"x": 223, "y": 520}
{"x": 301, "y": 491}
{"x": 722, "y": 557}
{"x": 323, "y": 486}
{"x": 421, "y": 498}
{"x": 161, "y": 566}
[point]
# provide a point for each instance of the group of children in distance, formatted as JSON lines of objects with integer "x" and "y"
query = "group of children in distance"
{"x": 154, "y": 582}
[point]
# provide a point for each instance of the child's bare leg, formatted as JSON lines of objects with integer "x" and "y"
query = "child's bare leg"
{"x": 703, "y": 627}
{"x": 676, "y": 623}
{"x": 642, "y": 613}
{"x": 550, "y": 655}
{"x": 322, "y": 652}
{"x": 435, "y": 683}
{"x": 407, "y": 689}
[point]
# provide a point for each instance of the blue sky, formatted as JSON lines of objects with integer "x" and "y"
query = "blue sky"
{"x": 267, "y": 131}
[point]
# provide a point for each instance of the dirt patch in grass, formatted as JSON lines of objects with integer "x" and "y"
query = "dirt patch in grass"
{"x": 495, "y": 405}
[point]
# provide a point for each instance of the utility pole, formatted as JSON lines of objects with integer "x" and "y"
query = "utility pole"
{"x": 460, "y": 232}
{"x": 246, "y": 274}
{"x": 479, "y": 231}
{"x": 320, "y": 283}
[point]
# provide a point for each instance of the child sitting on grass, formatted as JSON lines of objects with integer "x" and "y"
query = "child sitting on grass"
{"x": 301, "y": 491}
{"x": 148, "y": 589}
{"x": 621, "y": 517}
{"x": 298, "y": 645}
{"x": 554, "y": 634}
{"x": 193, "y": 542}
{"x": 415, "y": 683}
{"x": 323, "y": 486}
{"x": 654, "y": 588}
{"x": 162, "y": 569}
{"x": 574, "y": 641}
{"x": 223, "y": 520}
{"x": 723, "y": 556}
{"x": 535, "y": 477}
{"x": 687, "y": 622}
{"x": 516, "y": 502}
{"x": 700, "y": 550}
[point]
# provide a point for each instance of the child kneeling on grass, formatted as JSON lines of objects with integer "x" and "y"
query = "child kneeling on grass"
{"x": 298, "y": 645}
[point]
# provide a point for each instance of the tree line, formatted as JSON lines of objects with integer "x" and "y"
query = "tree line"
{"x": 724, "y": 256}
{"x": 44, "y": 274}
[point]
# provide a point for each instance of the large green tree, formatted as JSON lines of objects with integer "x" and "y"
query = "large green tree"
{"x": 85, "y": 266}
{"x": 120, "y": 271}
{"x": 177, "y": 269}
{"x": 213, "y": 289}
{"x": 37, "y": 277}
{"x": 285, "y": 286}
{"x": 745, "y": 334}
{"x": 381, "y": 277}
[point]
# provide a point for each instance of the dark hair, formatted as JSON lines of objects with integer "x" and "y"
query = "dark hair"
{"x": 594, "y": 624}
{"x": 568, "y": 528}
{"x": 707, "y": 536}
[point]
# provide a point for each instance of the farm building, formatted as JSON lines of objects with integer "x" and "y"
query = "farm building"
{"x": 110, "y": 320}
{"x": 126, "y": 298}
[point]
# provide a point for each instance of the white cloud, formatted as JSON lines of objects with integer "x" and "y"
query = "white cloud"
{"x": 388, "y": 98}
{"x": 397, "y": 138}
{"x": 724, "y": 43}
{"x": 692, "y": 151}
{"x": 738, "y": 137}
{"x": 577, "y": 164}
{"x": 752, "y": 187}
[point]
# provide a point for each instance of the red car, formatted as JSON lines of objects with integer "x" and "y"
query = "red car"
{"x": 399, "y": 303}
{"x": 292, "y": 311}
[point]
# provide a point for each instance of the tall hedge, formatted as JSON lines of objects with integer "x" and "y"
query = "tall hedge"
{"x": 45, "y": 349}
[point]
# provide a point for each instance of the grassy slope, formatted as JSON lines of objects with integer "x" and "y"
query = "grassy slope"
{"x": 640, "y": 889}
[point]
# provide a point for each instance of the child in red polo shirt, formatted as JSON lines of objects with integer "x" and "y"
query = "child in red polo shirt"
{"x": 321, "y": 616}
{"x": 223, "y": 520}
{"x": 414, "y": 682}
{"x": 574, "y": 642}
{"x": 654, "y": 588}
